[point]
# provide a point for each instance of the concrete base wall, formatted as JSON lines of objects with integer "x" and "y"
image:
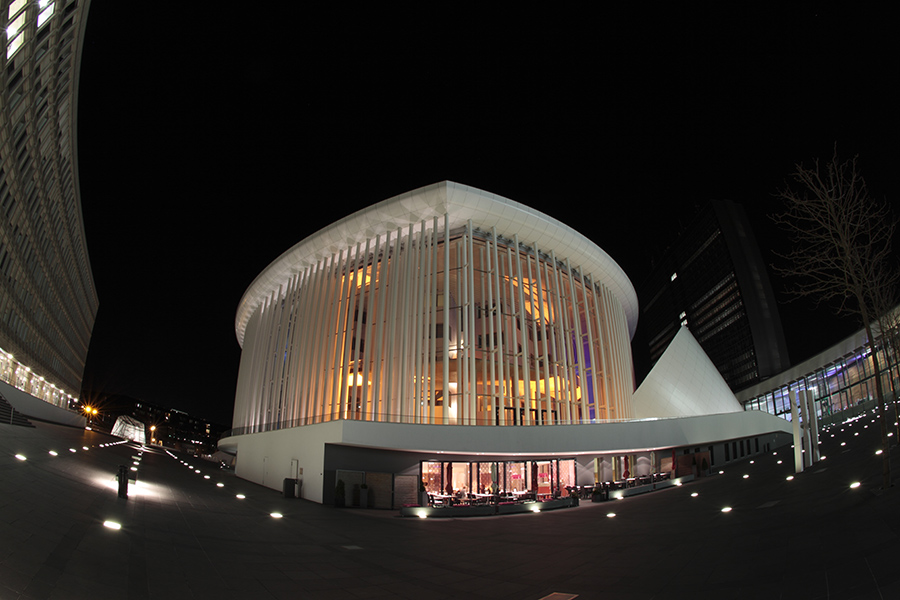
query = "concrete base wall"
{"x": 30, "y": 406}
{"x": 313, "y": 452}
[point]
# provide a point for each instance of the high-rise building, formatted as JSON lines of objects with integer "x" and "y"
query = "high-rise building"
{"x": 713, "y": 280}
{"x": 48, "y": 302}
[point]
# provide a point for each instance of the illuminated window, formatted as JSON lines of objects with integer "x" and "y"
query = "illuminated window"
{"x": 45, "y": 14}
{"x": 13, "y": 28}
{"x": 16, "y": 6}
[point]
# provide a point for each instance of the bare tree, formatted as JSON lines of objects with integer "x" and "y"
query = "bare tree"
{"x": 841, "y": 251}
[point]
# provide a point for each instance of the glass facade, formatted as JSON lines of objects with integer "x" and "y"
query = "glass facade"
{"x": 434, "y": 326}
{"x": 838, "y": 386}
{"x": 449, "y": 483}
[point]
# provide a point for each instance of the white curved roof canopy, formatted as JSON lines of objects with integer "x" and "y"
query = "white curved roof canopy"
{"x": 461, "y": 203}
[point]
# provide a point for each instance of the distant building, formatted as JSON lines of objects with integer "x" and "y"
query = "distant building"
{"x": 47, "y": 298}
{"x": 176, "y": 429}
{"x": 713, "y": 281}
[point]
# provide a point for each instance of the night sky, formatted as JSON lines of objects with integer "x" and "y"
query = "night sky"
{"x": 214, "y": 137}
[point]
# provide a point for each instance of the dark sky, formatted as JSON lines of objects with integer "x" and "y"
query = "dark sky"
{"x": 215, "y": 137}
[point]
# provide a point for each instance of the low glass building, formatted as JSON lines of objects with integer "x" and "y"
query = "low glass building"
{"x": 841, "y": 380}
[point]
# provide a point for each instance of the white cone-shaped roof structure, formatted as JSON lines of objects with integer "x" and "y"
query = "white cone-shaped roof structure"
{"x": 683, "y": 383}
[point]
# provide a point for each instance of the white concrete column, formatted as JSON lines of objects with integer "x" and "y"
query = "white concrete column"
{"x": 378, "y": 341}
{"x": 432, "y": 298}
{"x": 368, "y": 397}
{"x": 523, "y": 327}
{"x": 471, "y": 336}
{"x": 813, "y": 427}
{"x": 497, "y": 330}
{"x": 545, "y": 344}
{"x": 511, "y": 295}
{"x": 445, "y": 318}
{"x": 798, "y": 443}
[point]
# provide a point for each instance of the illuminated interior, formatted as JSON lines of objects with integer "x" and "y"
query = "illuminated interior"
{"x": 449, "y": 483}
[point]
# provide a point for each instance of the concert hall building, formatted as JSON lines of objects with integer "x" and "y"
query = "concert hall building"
{"x": 455, "y": 337}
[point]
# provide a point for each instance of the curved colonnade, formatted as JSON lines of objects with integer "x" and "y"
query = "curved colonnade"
{"x": 445, "y": 305}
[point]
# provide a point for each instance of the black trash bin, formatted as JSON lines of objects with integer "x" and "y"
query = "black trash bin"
{"x": 289, "y": 486}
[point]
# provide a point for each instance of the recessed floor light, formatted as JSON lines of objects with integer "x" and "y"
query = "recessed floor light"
{"x": 240, "y": 496}
{"x": 276, "y": 515}
{"x": 220, "y": 485}
{"x": 790, "y": 477}
{"x": 610, "y": 515}
{"x": 112, "y": 525}
{"x": 20, "y": 456}
{"x": 854, "y": 485}
{"x": 726, "y": 509}
{"x": 53, "y": 453}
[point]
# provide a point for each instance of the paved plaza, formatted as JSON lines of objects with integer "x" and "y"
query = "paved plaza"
{"x": 183, "y": 535}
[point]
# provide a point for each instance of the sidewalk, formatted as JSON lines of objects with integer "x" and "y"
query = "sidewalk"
{"x": 183, "y": 536}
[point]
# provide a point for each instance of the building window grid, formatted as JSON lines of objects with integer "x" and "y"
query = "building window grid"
{"x": 835, "y": 387}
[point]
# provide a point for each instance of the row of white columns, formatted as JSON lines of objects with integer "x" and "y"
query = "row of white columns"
{"x": 371, "y": 332}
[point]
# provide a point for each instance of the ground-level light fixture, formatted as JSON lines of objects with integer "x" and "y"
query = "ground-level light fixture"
{"x": 112, "y": 525}
{"x": 726, "y": 509}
